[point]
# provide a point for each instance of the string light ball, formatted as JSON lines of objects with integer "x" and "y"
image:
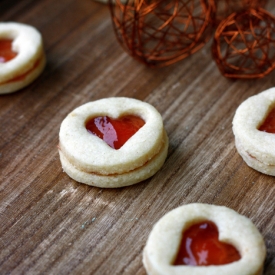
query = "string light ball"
{"x": 159, "y": 33}
{"x": 244, "y": 44}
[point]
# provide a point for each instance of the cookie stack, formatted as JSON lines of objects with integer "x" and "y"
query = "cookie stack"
{"x": 234, "y": 230}
{"x": 23, "y": 46}
{"x": 89, "y": 159}
{"x": 255, "y": 145}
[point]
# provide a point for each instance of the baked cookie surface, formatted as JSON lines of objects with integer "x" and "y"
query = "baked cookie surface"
{"x": 89, "y": 159}
{"x": 164, "y": 241}
{"x": 29, "y": 60}
{"x": 256, "y": 147}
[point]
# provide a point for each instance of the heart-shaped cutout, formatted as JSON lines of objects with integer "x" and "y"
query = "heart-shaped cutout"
{"x": 6, "y": 52}
{"x": 269, "y": 123}
{"x": 200, "y": 246}
{"x": 115, "y": 132}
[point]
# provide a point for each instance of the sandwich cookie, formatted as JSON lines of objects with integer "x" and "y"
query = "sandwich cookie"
{"x": 112, "y": 142}
{"x": 22, "y": 58}
{"x": 254, "y": 130}
{"x": 203, "y": 239}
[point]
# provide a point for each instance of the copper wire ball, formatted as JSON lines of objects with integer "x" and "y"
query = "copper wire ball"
{"x": 244, "y": 44}
{"x": 160, "y": 32}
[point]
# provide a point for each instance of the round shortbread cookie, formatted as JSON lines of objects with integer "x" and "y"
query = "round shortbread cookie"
{"x": 164, "y": 240}
{"x": 91, "y": 154}
{"x": 117, "y": 180}
{"x": 29, "y": 61}
{"x": 256, "y": 147}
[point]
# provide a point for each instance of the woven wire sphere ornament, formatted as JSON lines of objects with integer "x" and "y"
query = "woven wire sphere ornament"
{"x": 160, "y": 32}
{"x": 244, "y": 44}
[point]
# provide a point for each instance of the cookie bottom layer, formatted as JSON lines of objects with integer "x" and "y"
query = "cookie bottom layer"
{"x": 117, "y": 180}
{"x": 253, "y": 162}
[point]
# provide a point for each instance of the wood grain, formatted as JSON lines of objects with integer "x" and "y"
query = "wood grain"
{"x": 51, "y": 224}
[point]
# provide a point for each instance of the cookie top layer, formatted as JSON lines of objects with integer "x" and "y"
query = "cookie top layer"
{"x": 163, "y": 242}
{"x": 91, "y": 154}
{"x": 248, "y": 118}
{"x": 27, "y": 43}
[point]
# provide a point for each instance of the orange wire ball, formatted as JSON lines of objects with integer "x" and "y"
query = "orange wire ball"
{"x": 160, "y": 32}
{"x": 244, "y": 44}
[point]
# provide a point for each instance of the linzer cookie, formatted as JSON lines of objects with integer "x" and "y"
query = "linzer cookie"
{"x": 112, "y": 142}
{"x": 22, "y": 57}
{"x": 254, "y": 130}
{"x": 204, "y": 239}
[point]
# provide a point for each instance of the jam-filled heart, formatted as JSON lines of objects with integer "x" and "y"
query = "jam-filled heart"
{"x": 115, "y": 132}
{"x": 6, "y": 52}
{"x": 269, "y": 123}
{"x": 200, "y": 246}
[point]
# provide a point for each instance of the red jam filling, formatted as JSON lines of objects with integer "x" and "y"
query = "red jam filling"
{"x": 200, "y": 247}
{"x": 269, "y": 123}
{"x": 115, "y": 132}
{"x": 6, "y": 52}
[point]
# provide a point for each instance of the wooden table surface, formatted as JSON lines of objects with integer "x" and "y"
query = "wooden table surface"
{"x": 51, "y": 224}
